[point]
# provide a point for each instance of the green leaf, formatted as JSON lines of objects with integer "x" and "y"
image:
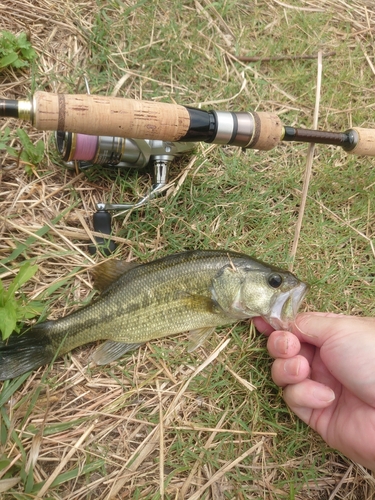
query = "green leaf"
{"x": 13, "y": 310}
{"x": 28, "y": 53}
{"x": 34, "y": 308}
{"x": 24, "y": 138}
{"x": 72, "y": 474}
{"x": 25, "y": 273}
{"x": 10, "y": 387}
{"x": 39, "y": 148}
{"x": 18, "y": 63}
{"x": 22, "y": 40}
{"x": 15, "y": 51}
{"x": 8, "y": 60}
{"x": 8, "y": 318}
{"x": 32, "y": 153}
{"x": 4, "y": 138}
{"x": 12, "y": 151}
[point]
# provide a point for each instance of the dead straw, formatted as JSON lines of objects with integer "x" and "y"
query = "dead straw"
{"x": 309, "y": 162}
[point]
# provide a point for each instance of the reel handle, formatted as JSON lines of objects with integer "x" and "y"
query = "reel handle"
{"x": 102, "y": 221}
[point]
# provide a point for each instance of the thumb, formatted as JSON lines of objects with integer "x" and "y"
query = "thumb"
{"x": 347, "y": 348}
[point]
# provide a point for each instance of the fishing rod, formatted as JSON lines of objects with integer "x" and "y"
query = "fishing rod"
{"x": 121, "y": 117}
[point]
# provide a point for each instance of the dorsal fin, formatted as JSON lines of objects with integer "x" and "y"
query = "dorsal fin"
{"x": 109, "y": 271}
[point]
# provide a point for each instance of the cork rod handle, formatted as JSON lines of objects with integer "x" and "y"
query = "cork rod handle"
{"x": 112, "y": 116}
{"x": 365, "y": 143}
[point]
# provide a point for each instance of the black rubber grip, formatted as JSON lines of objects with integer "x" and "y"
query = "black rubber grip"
{"x": 102, "y": 221}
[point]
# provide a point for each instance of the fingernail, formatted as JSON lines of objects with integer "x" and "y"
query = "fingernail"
{"x": 323, "y": 393}
{"x": 281, "y": 344}
{"x": 291, "y": 366}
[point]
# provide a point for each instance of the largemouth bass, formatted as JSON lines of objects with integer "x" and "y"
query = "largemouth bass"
{"x": 193, "y": 291}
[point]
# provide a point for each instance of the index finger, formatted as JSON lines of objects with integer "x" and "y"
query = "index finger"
{"x": 262, "y": 326}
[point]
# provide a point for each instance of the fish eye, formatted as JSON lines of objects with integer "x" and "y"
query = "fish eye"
{"x": 274, "y": 280}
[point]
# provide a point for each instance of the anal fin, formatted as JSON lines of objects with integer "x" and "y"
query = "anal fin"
{"x": 110, "y": 351}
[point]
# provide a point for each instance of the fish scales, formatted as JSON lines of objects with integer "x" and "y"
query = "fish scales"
{"x": 190, "y": 291}
{"x": 148, "y": 302}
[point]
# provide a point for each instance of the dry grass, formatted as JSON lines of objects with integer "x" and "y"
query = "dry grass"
{"x": 162, "y": 423}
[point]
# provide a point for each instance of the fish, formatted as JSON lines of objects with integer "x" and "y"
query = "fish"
{"x": 193, "y": 291}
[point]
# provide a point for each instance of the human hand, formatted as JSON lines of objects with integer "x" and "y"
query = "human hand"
{"x": 327, "y": 369}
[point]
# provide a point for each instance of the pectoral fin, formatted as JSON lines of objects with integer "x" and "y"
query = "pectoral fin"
{"x": 198, "y": 303}
{"x": 197, "y": 337}
{"x": 110, "y": 351}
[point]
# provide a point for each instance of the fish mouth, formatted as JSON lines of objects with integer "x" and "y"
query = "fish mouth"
{"x": 284, "y": 309}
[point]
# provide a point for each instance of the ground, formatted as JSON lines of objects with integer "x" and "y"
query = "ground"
{"x": 163, "y": 423}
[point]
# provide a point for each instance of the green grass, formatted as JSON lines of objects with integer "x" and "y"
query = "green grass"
{"x": 245, "y": 201}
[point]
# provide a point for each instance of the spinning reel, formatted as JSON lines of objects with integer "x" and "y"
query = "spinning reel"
{"x": 121, "y": 153}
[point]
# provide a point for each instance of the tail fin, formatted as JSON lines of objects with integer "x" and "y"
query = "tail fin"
{"x": 22, "y": 353}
